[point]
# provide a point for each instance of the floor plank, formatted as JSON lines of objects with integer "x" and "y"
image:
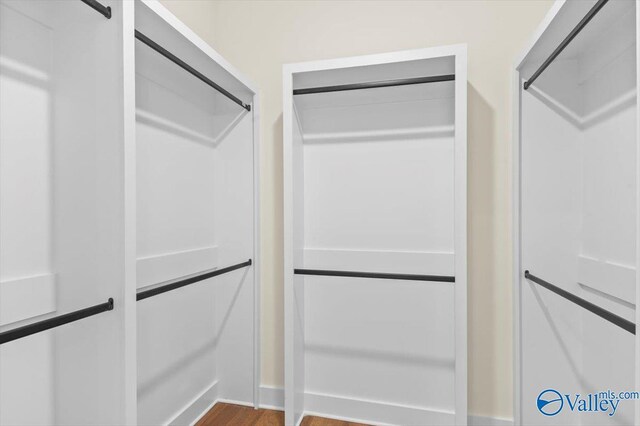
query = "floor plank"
{"x": 222, "y": 414}
{"x": 271, "y": 418}
{"x": 238, "y": 415}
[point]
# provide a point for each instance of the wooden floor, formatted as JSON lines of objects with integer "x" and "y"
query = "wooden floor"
{"x": 230, "y": 414}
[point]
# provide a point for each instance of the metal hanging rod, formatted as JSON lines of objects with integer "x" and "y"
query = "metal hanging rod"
{"x": 375, "y": 84}
{"x": 591, "y": 307}
{"x": 104, "y": 10}
{"x": 50, "y": 323}
{"x": 594, "y": 10}
{"x": 173, "y": 58}
{"x": 181, "y": 282}
{"x": 385, "y": 276}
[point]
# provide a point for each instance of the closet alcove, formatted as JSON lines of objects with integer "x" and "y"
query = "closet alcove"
{"x": 128, "y": 222}
{"x": 576, "y": 214}
{"x": 195, "y": 212}
{"x": 61, "y": 226}
{"x": 375, "y": 238}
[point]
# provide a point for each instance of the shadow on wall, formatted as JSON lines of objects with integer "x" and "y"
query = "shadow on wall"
{"x": 178, "y": 365}
{"x": 484, "y": 287}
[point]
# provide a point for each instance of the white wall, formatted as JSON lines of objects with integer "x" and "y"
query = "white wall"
{"x": 259, "y": 36}
{"x": 27, "y": 276}
{"x": 61, "y": 176}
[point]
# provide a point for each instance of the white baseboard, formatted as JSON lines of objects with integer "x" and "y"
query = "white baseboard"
{"x": 235, "y": 402}
{"x": 197, "y": 408}
{"x": 373, "y": 412}
{"x": 272, "y": 397}
{"x": 201, "y": 405}
{"x": 489, "y": 421}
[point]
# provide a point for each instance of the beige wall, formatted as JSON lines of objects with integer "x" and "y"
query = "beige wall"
{"x": 259, "y": 36}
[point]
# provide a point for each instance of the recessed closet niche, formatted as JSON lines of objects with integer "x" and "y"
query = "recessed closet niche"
{"x": 576, "y": 165}
{"x": 61, "y": 227}
{"x": 375, "y": 238}
{"x": 195, "y": 217}
{"x": 128, "y": 218}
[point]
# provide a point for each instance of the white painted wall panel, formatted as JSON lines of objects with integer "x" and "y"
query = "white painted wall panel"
{"x": 370, "y": 194}
{"x": 196, "y": 192}
{"x": 176, "y": 206}
{"x": 371, "y": 186}
{"x": 61, "y": 236}
{"x": 27, "y": 285}
{"x": 578, "y": 199}
{"x": 88, "y": 200}
{"x": 69, "y": 192}
{"x": 234, "y": 292}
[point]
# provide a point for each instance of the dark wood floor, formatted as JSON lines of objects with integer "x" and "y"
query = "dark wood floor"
{"x": 231, "y": 414}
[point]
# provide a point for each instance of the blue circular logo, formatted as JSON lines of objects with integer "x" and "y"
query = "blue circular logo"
{"x": 550, "y": 402}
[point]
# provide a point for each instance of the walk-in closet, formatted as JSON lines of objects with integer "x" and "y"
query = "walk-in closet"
{"x": 375, "y": 238}
{"x": 128, "y": 222}
{"x": 576, "y": 214}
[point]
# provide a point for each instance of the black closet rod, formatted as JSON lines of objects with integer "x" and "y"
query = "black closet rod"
{"x": 583, "y": 23}
{"x": 181, "y": 282}
{"x": 50, "y": 323}
{"x": 591, "y": 307}
{"x": 104, "y": 10}
{"x": 375, "y": 84}
{"x": 173, "y": 58}
{"x": 385, "y": 276}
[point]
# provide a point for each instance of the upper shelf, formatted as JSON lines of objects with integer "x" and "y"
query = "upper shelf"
{"x": 610, "y": 30}
{"x": 407, "y": 81}
{"x": 376, "y": 95}
{"x": 159, "y": 25}
{"x": 188, "y": 68}
{"x": 375, "y": 84}
{"x": 584, "y": 64}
